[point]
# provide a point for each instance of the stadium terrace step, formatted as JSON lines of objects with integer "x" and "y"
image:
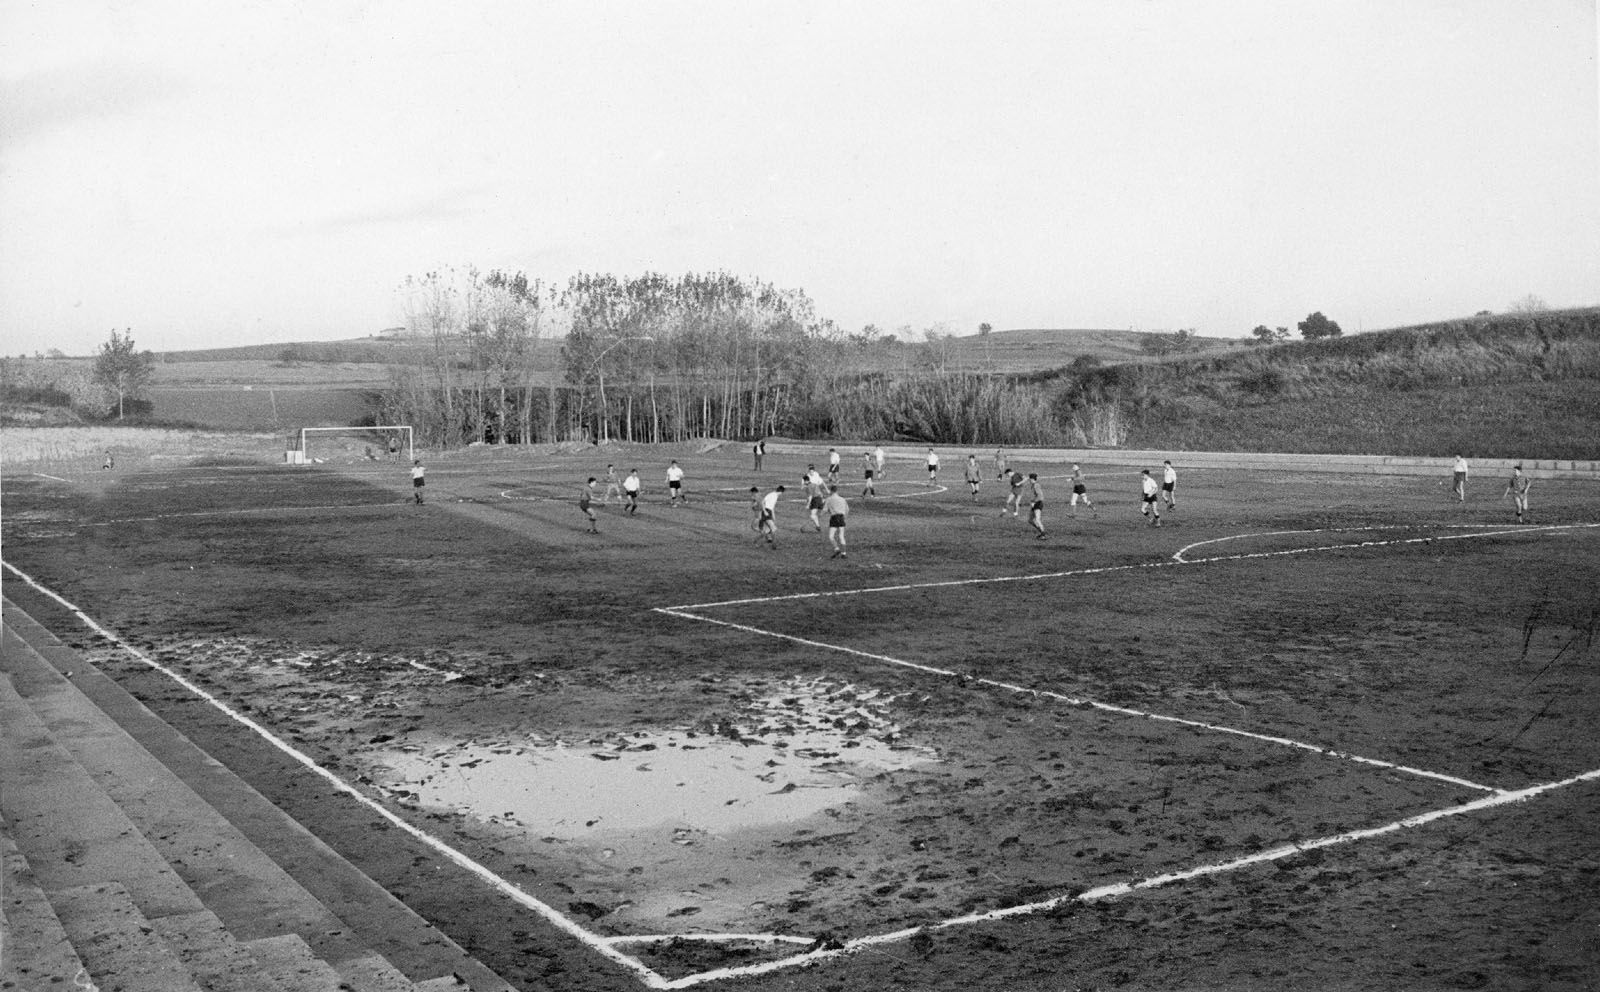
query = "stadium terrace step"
{"x": 159, "y": 889}
{"x": 35, "y": 952}
{"x": 120, "y": 949}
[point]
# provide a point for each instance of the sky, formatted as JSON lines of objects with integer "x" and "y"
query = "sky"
{"x": 208, "y": 174}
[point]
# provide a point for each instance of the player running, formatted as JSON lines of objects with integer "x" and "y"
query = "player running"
{"x": 1014, "y": 498}
{"x": 1517, "y": 488}
{"x": 1036, "y": 506}
{"x": 1080, "y": 491}
{"x": 585, "y": 498}
{"x": 974, "y": 476}
{"x": 630, "y": 491}
{"x": 869, "y": 470}
{"x": 815, "y": 490}
{"x": 418, "y": 480}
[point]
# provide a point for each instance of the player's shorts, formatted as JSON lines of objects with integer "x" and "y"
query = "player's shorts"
{"x": 836, "y": 520}
{"x": 1166, "y": 487}
{"x": 418, "y": 482}
{"x": 675, "y": 484}
{"x": 1038, "y": 506}
{"x": 631, "y": 493}
{"x": 815, "y": 503}
{"x": 766, "y": 516}
{"x": 1078, "y": 489}
{"x": 868, "y": 474}
{"x": 1150, "y": 497}
{"x": 584, "y": 506}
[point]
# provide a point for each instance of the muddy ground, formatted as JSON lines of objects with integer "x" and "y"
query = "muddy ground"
{"x": 898, "y": 758}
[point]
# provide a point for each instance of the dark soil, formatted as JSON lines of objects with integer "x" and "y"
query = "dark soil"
{"x": 327, "y": 606}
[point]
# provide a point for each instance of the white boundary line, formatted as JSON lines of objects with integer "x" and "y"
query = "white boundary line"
{"x": 1120, "y": 889}
{"x": 1167, "y": 563}
{"x": 1104, "y": 707}
{"x": 551, "y": 915}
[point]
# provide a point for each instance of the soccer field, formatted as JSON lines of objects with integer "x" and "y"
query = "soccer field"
{"x": 1317, "y": 730}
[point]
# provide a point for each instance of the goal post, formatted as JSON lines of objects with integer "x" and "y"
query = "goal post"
{"x": 376, "y": 440}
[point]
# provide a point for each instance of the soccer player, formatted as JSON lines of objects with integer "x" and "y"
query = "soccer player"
{"x": 837, "y": 509}
{"x": 1169, "y": 480}
{"x": 769, "y": 517}
{"x": 1079, "y": 490}
{"x": 110, "y": 462}
{"x": 877, "y": 458}
{"x": 755, "y": 508}
{"x": 613, "y": 484}
{"x": 758, "y": 451}
{"x": 630, "y": 491}
{"x": 1014, "y": 498}
{"x": 394, "y": 449}
{"x": 1152, "y": 501}
{"x": 933, "y": 466}
{"x": 675, "y": 484}
{"x": 1458, "y": 480}
{"x": 417, "y": 480}
{"x": 1036, "y": 508}
{"x": 833, "y": 466}
{"x": 815, "y": 490}
{"x": 870, "y": 470}
{"x": 999, "y": 463}
{"x": 1517, "y": 489}
{"x": 974, "y": 477}
{"x": 586, "y": 497}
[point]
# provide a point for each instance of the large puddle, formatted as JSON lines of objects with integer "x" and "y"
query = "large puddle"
{"x": 810, "y": 746}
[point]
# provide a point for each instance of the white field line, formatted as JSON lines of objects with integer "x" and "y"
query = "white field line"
{"x": 1169, "y": 563}
{"x": 1124, "y": 888}
{"x": 555, "y": 918}
{"x": 1179, "y": 558}
{"x": 52, "y": 478}
{"x": 1103, "y": 707}
{"x": 749, "y": 938}
{"x": 238, "y": 512}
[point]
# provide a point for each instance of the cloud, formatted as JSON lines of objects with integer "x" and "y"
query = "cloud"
{"x": 45, "y": 100}
{"x": 445, "y": 206}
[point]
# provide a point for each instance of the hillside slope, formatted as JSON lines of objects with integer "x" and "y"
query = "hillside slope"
{"x": 1509, "y": 387}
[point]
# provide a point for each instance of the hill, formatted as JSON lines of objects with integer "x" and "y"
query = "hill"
{"x": 1508, "y": 386}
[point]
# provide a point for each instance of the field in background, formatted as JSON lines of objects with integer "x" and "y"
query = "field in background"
{"x": 1456, "y": 655}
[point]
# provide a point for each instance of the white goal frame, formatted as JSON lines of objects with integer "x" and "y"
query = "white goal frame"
{"x": 411, "y": 451}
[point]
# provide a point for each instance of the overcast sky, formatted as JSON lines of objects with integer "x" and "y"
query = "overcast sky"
{"x": 218, "y": 173}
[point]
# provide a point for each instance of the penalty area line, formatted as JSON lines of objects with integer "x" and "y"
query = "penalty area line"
{"x": 1120, "y": 889}
{"x": 595, "y": 943}
{"x": 1095, "y": 704}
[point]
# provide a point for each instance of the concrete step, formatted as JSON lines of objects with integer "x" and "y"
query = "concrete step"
{"x": 70, "y": 831}
{"x": 35, "y": 952}
{"x": 288, "y": 962}
{"x": 88, "y": 751}
{"x": 229, "y": 874}
{"x": 218, "y": 962}
{"x": 120, "y": 949}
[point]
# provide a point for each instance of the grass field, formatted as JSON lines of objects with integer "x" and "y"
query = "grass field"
{"x": 1316, "y": 731}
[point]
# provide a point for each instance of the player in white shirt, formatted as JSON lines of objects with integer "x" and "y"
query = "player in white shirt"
{"x": 815, "y": 490}
{"x": 769, "y": 514}
{"x": 630, "y": 491}
{"x": 1152, "y": 498}
{"x": 974, "y": 476}
{"x": 1169, "y": 482}
{"x": 1458, "y": 480}
{"x": 1080, "y": 491}
{"x": 933, "y": 466}
{"x": 675, "y": 484}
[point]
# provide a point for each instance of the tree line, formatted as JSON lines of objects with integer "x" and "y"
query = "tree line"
{"x": 655, "y": 358}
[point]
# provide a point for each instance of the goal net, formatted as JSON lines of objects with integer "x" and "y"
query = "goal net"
{"x": 383, "y": 443}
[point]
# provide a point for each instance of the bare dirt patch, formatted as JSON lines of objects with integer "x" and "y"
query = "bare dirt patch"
{"x": 360, "y": 627}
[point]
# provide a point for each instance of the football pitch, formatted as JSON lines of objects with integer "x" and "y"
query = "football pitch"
{"x": 1317, "y": 730}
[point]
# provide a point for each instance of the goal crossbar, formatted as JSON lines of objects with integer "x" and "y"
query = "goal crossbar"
{"x": 411, "y": 451}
